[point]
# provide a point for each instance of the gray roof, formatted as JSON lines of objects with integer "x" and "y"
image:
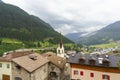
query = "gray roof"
{"x": 112, "y": 59}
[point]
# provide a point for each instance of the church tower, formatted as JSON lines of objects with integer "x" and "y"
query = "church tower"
{"x": 60, "y": 48}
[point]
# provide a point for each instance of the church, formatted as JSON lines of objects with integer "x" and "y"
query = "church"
{"x": 60, "y": 48}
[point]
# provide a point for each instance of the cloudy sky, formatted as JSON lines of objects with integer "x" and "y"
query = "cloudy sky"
{"x": 70, "y": 16}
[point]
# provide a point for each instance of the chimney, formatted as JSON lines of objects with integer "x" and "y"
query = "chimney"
{"x": 5, "y": 54}
{"x": 73, "y": 54}
{"x": 33, "y": 57}
{"x": 107, "y": 56}
{"x": 100, "y": 60}
{"x": 59, "y": 62}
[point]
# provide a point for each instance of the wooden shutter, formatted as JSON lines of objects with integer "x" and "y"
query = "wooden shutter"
{"x": 91, "y": 74}
{"x": 108, "y": 77}
{"x": 81, "y": 73}
{"x": 102, "y": 77}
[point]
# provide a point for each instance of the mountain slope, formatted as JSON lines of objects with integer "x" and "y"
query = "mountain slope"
{"x": 74, "y": 36}
{"x": 18, "y": 24}
{"x": 110, "y": 32}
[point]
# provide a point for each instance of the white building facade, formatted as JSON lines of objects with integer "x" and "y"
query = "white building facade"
{"x": 5, "y": 70}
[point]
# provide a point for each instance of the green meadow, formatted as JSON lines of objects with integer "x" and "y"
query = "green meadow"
{"x": 107, "y": 45}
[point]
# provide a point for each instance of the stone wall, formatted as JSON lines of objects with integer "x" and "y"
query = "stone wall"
{"x": 20, "y": 72}
{"x": 39, "y": 74}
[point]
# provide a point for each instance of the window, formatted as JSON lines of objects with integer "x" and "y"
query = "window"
{"x": 8, "y": 65}
{"x": 0, "y": 65}
{"x": 18, "y": 67}
{"x": 81, "y": 73}
{"x": 75, "y": 72}
{"x": 53, "y": 74}
{"x": 105, "y": 77}
{"x": 58, "y": 51}
{"x": 52, "y": 68}
{"x": 18, "y": 78}
{"x": 91, "y": 74}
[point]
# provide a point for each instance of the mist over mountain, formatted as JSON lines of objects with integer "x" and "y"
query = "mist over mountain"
{"x": 74, "y": 36}
{"x": 17, "y": 24}
{"x": 104, "y": 35}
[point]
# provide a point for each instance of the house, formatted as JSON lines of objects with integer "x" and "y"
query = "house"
{"x": 94, "y": 67}
{"x": 56, "y": 66}
{"x": 6, "y": 64}
{"x": 30, "y": 67}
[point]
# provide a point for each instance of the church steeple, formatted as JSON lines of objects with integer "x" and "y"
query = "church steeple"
{"x": 60, "y": 49}
{"x": 61, "y": 44}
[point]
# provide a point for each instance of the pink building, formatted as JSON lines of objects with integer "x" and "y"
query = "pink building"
{"x": 94, "y": 67}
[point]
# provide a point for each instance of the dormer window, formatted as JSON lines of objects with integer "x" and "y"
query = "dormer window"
{"x": 92, "y": 61}
{"x": 106, "y": 62}
{"x": 82, "y": 60}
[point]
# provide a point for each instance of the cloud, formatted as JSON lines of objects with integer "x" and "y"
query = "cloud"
{"x": 70, "y": 16}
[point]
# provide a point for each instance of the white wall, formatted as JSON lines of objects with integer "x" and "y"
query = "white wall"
{"x": 5, "y": 70}
{"x": 97, "y": 75}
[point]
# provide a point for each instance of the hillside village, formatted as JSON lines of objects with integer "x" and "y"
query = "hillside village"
{"x": 29, "y": 65}
{"x": 25, "y": 34}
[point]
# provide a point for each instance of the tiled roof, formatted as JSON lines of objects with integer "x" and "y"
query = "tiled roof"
{"x": 56, "y": 60}
{"x": 111, "y": 59}
{"x": 31, "y": 62}
{"x": 10, "y": 56}
{"x": 49, "y": 54}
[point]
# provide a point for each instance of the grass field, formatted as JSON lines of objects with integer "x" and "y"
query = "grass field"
{"x": 7, "y": 40}
{"x": 9, "y": 45}
{"x": 107, "y": 45}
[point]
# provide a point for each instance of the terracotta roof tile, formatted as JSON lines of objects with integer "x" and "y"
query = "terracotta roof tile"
{"x": 10, "y": 56}
{"x": 56, "y": 60}
{"x": 31, "y": 62}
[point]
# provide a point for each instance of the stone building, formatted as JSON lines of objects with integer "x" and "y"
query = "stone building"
{"x": 56, "y": 67}
{"x": 30, "y": 67}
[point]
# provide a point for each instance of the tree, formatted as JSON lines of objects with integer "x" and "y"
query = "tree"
{"x": 38, "y": 44}
{"x": 0, "y": 41}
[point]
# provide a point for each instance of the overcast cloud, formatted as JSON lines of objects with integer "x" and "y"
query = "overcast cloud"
{"x": 68, "y": 16}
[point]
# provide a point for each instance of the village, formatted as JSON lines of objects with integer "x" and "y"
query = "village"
{"x": 88, "y": 47}
{"x": 29, "y": 65}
